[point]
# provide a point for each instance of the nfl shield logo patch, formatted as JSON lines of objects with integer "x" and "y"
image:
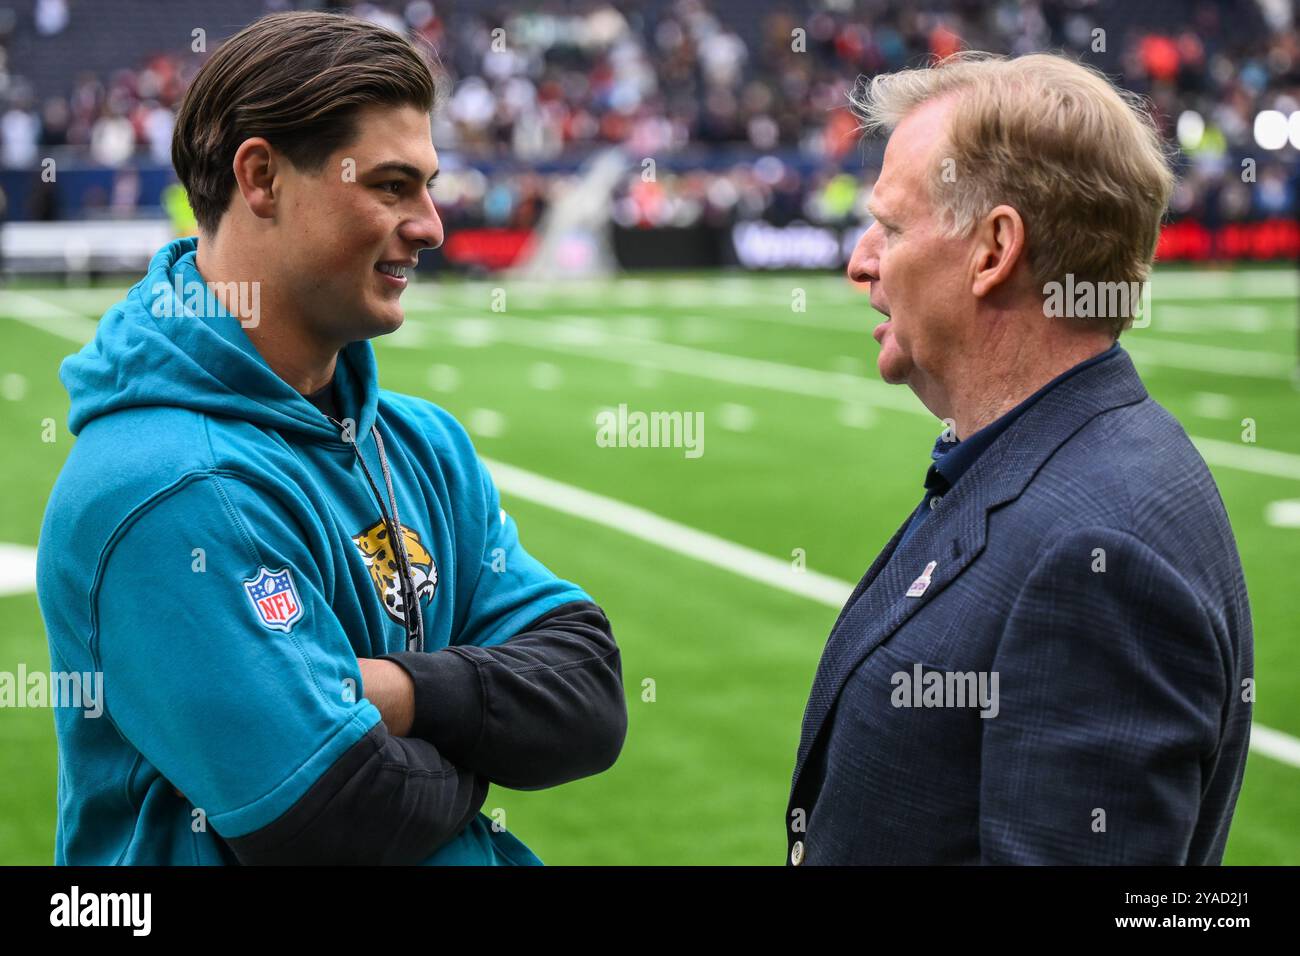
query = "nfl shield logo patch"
{"x": 275, "y": 599}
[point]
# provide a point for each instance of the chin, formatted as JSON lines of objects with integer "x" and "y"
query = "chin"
{"x": 894, "y": 368}
{"x": 384, "y": 321}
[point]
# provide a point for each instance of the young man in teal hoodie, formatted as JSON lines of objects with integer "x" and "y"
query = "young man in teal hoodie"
{"x": 319, "y": 636}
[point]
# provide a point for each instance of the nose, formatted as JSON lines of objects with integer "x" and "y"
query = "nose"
{"x": 424, "y": 228}
{"x": 864, "y": 264}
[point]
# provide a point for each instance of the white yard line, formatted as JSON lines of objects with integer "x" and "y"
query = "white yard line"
{"x": 1186, "y": 356}
{"x": 757, "y": 290}
{"x": 1236, "y": 284}
{"x": 1273, "y": 743}
{"x": 18, "y": 567}
{"x": 40, "y": 314}
{"x": 1211, "y": 317}
{"x": 592, "y": 342}
{"x": 716, "y": 366}
{"x": 1283, "y": 514}
{"x": 738, "y": 559}
{"x": 1244, "y": 457}
{"x": 39, "y": 311}
{"x": 1244, "y": 363}
{"x": 669, "y": 535}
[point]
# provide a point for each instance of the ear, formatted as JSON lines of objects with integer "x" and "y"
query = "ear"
{"x": 255, "y": 167}
{"x": 999, "y": 248}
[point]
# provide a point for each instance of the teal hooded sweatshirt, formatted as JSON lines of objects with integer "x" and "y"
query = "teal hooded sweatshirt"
{"x": 215, "y": 549}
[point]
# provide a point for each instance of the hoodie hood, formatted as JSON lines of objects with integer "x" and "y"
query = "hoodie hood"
{"x": 171, "y": 342}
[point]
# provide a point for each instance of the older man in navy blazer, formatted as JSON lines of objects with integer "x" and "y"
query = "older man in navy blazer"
{"x": 1051, "y": 660}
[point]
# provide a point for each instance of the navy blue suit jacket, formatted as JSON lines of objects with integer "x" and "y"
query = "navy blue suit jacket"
{"x": 1085, "y": 559}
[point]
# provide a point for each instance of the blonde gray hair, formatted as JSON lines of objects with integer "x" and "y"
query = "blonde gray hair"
{"x": 1080, "y": 159}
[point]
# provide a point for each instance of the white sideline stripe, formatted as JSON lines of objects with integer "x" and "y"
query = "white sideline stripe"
{"x": 593, "y": 342}
{"x": 1243, "y": 457}
{"x": 756, "y": 290}
{"x": 798, "y": 380}
{"x": 1236, "y": 284}
{"x": 1283, "y": 514}
{"x": 738, "y": 559}
{"x": 40, "y": 314}
{"x": 18, "y": 563}
{"x": 1206, "y": 317}
{"x": 1273, "y": 743}
{"x": 669, "y": 535}
{"x": 17, "y": 569}
{"x": 717, "y": 366}
{"x": 1149, "y": 343}
{"x": 1196, "y": 317}
{"x": 1210, "y": 358}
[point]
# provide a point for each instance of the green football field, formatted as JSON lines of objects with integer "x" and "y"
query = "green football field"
{"x": 721, "y": 571}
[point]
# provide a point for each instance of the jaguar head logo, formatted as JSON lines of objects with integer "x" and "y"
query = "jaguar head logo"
{"x": 381, "y": 559}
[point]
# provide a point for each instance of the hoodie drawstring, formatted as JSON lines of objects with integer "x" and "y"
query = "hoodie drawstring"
{"x": 414, "y": 623}
{"x": 401, "y": 545}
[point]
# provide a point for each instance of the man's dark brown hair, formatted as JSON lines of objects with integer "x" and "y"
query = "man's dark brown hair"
{"x": 297, "y": 79}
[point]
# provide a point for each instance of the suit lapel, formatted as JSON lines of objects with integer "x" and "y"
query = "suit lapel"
{"x": 955, "y": 535}
{"x": 883, "y": 605}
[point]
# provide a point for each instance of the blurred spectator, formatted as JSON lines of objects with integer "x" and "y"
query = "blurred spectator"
{"x": 20, "y": 129}
{"x": 746, "y": 116}
{"x": 112, "y": 138}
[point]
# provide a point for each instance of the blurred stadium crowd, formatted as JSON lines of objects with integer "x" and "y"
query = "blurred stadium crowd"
{"x": 741, "y": 103}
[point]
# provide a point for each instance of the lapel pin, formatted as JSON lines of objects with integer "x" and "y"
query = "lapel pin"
{"x": 920, "y": 584}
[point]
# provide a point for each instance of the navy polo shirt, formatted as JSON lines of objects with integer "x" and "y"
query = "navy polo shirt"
{"x": 952, "y": 459}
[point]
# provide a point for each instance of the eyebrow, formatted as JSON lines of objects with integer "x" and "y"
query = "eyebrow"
{"x": 875, "y": 214}
{"x": 404, "y": 169}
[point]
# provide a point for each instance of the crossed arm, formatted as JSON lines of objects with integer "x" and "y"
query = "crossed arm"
{"x": 296, "y": 767}
{"x": 544, "y": 708}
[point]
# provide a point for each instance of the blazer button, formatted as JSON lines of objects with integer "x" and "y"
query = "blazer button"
{"x": 796, "y": 853}
{"x": 934, "y": 502}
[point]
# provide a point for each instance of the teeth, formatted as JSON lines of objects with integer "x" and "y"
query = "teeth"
{"x": 398, "y": 271}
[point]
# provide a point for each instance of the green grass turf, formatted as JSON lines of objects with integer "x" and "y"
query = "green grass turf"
{"x": 827, "y": 460}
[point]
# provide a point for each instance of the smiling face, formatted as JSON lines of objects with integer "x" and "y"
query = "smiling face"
{"x": 919, "y": 277}
{"x": 367, "y": 210}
